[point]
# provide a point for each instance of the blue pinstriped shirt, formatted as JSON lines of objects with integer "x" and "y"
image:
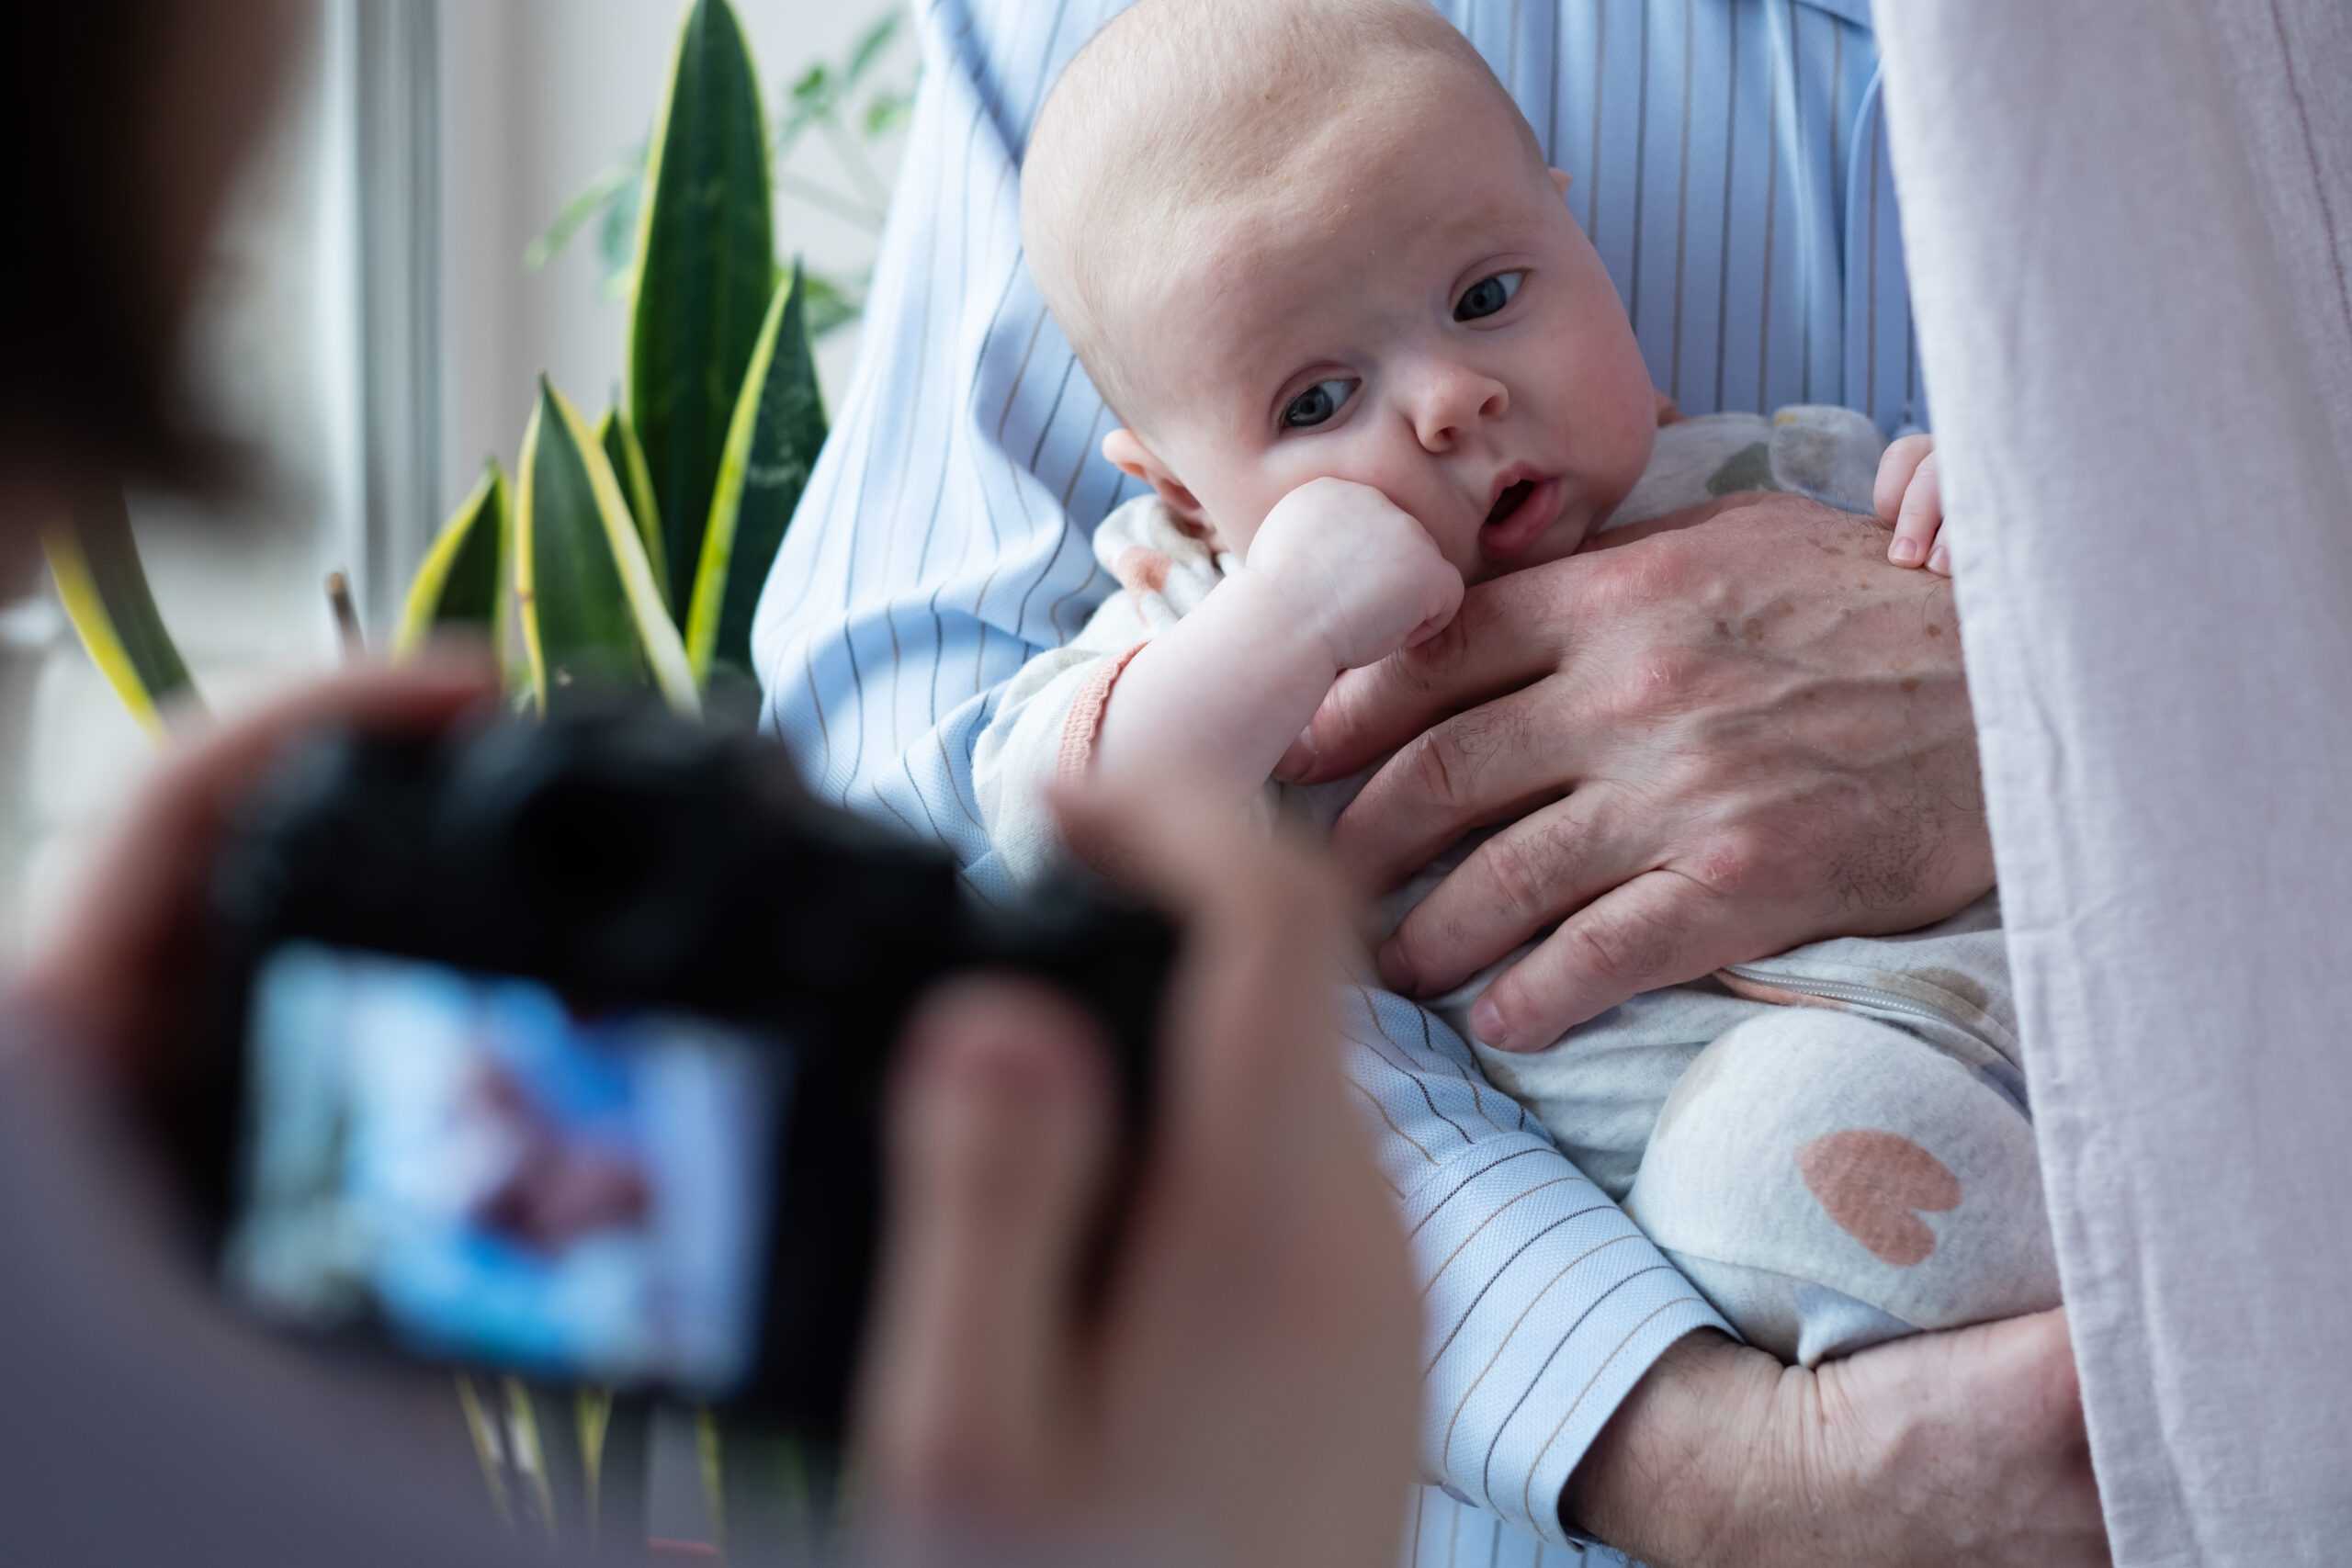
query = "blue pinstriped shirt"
{"x": 1730, "y": 167}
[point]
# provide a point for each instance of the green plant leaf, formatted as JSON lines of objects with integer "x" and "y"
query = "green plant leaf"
{"x": 887, "y": 113}
{"x": 458, "y": 581}
{"x": 706, "y": 270}
{"x": 618, "y": 438}
{"x": 771, "y": 444}
{"x": 869, "y": 49}
{"x": 810, "y": 99}
{"x": 607, "y": 186}
{"x": 584, "y": 592}
{"x": 100, "y": 581}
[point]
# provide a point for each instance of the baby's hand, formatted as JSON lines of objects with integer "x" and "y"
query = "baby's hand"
{"x": 1358, "y": 569}
{"x": 1910, "y": 500}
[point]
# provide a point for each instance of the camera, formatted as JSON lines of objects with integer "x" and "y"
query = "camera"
{"x": 561, "y": 1050}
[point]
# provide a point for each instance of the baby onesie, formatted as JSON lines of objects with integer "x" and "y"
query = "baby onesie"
{"x": 1833, "y": 1144}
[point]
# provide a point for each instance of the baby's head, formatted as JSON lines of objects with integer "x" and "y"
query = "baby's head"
{"x": 1303, "y": 239}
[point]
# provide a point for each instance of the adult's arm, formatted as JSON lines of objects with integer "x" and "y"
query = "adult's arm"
{"x": 1244, "y": 1394}
{"x": 1718, "y": 741}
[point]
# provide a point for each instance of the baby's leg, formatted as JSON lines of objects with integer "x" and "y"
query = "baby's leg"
{"x": 1830, "y": 1182}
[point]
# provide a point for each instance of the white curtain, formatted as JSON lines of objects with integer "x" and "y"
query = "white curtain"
{"x": 2127, "y": 227}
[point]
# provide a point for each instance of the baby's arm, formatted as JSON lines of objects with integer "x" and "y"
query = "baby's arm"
{"x": 1338, "y": 577}
{"x": 1909, "y": 498}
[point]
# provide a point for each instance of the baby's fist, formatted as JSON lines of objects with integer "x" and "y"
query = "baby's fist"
{"x": 1909, "y": 498}
{"x": 1357, "y": 569}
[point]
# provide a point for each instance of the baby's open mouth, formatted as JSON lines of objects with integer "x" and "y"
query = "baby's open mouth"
{"x": 1521, "y": 514}
{"x": 1508, "y": 501}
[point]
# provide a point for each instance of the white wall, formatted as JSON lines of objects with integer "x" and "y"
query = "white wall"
{"x": 538, "y": 97}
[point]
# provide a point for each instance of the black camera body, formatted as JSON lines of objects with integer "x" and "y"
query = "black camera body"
{"x": 626, "y": 860}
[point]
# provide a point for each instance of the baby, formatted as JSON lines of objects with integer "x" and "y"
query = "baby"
{"x": 1311, "y": 255}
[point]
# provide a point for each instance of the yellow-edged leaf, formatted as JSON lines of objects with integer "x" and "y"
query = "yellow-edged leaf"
{"x": 100, "y": 581}
{"x": 617, "y": 436}
{"x": 705, "y": 268}
{"x": 460, "y": 579}
{"x": 771, "y": 444}
{"x": 586, "y": 595}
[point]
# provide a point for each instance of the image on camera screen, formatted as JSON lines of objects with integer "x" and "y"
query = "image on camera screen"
{"x": 458, "y": 1164}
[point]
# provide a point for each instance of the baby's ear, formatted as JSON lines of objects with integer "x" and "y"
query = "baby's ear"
{"x": 1127, "y": 453}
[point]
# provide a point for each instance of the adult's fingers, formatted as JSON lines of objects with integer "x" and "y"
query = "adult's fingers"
{"x": 1522, "y": 880}
{"x": 1260, "y": 1322}
{"x": 1249, "y": 1026}
{"x": 1660, "y": 929}
{"x": 1496, "y": 761}
{"x": 1000, "y": 1131}
{"x": 1503, "y": 635}
{"x": 96, "y": 971}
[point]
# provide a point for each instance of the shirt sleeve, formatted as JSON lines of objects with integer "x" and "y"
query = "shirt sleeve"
{"x": 943, "y": 543}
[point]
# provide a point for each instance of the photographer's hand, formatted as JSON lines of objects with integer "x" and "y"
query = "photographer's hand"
{"x": 1244, "y": 1394}
{"x": 118, "y": 973}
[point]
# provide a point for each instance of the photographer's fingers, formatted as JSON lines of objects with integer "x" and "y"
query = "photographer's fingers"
{"x": 999, "y": 1138}
{"x": 1258, "y": 1341}
{"x": 1250, "y": 1016}
{"x": 106, "y": 969}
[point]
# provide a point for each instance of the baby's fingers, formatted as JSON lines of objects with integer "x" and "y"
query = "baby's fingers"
{"x": 1919, "y": 519}
{"x": 1444, "y": 602}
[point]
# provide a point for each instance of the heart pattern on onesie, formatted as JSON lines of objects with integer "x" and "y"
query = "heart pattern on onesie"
{"x": 1875, "y": 1185}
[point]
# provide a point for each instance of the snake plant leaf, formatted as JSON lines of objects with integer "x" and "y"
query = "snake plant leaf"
{"x": 459, "y": 582}
{"x": 771, "y": 444}
{"x": 706, "y": 270}
{"x": 104, "y": 589}
{"x": 617, "y": 436}
{"x": 583, "y": 589}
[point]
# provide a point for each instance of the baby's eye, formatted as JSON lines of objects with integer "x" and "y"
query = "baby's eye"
{"x": 1317, "y": 404}
{"x": 1487, "y": 296}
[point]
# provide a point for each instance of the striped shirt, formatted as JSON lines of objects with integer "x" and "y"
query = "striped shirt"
{"x": 1729, "y": 163}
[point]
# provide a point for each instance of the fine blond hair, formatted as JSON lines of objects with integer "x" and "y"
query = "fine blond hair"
{"x": 1178, "y": 108}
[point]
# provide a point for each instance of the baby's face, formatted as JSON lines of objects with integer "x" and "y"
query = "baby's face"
{"x": 1416, "y": 311}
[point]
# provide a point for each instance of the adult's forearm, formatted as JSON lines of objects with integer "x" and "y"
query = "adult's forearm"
{"x": 1960, "y": 1448}
{"x": 1543, "y": 1305}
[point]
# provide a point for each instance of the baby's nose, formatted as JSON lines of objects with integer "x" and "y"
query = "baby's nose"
{"x": 1453, "y": 399}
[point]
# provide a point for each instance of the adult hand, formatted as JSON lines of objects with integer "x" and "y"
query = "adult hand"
{"x": 1960, "y": 1449}
{"x": 1244, "y": 1390}
{"x": 1714, "y": 738}
{"x": 119, "y": 972}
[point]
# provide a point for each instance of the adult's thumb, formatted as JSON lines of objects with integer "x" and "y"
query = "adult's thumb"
{"x": 999, "y": 1134}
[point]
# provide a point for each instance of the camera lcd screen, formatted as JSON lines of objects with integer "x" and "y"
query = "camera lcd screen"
{"x": 457, "y": 1163}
